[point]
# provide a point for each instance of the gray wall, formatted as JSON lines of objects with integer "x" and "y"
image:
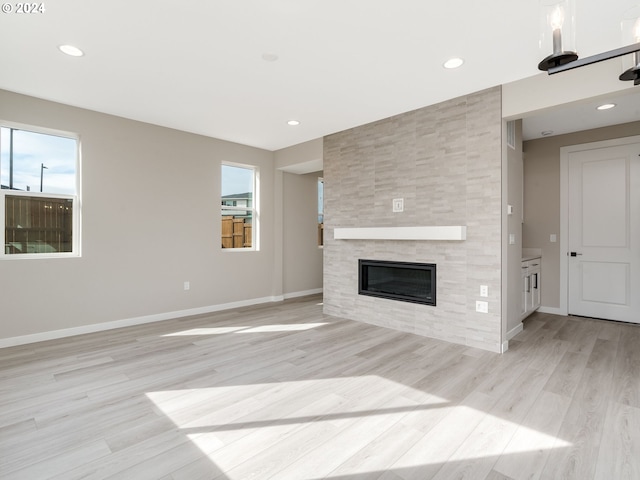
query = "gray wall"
{"x": 150, "y": 221}
{"x": 514, "y": 226}
{"x": 303, "y": 259}
{"x": 301, "y": 158}
{"x": 542, "y": 198}
{"x": 445, "y": 161}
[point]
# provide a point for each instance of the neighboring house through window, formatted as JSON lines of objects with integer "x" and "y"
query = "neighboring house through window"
{"x": 39, "y": 195}
{"x": 239, "y": 209}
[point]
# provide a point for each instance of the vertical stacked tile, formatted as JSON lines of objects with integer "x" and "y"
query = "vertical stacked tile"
{"x": 445, "y": 161}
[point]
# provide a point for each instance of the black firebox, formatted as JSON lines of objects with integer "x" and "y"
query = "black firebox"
{"x": 404, "y": 281}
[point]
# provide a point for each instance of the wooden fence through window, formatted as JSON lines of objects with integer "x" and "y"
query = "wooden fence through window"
{"x": 236, "y": 232}
{"x": 38, "y": 224}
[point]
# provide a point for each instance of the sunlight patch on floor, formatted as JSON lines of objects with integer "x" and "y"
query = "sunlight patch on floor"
{"x": 293, "y": 327}
{"x": 205, "y": 331}
{"x": 233, "y": 406}
{"x": 227, "y": 422}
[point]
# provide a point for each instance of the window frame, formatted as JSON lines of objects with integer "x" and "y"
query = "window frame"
{"x": 254, "y": 209}
{"x": 75, "y": 198}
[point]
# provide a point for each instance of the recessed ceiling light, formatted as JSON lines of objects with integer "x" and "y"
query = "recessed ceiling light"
{"x": 293, "y": 123}
{"x": 453, "y": 63}
{"x": 269, "y": 57}
{"x": 546, "y": 133}
{"x": 606, "y": 106}
{"x": 71, "y": 50}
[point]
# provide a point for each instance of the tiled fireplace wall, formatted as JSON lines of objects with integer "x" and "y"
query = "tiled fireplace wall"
{"x": 445, "y": 161}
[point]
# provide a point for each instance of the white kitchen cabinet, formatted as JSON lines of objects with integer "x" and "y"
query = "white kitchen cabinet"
{"x": 530, "y": 277}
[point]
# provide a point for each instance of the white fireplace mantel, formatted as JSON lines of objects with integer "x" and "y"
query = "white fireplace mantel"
{"x": 401, "y": 233}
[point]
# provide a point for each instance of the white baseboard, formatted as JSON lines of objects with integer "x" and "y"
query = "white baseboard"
{"x": 303, "y": 293}
{"x": 510, "y": 334}
{"x": 129, "y": 322}
{"x": 552, "y": 310}
{"x": 514, "y": 331}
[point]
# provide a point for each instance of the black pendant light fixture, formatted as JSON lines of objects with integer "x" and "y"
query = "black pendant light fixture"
{"x": 558, "y": 34}
{"x": 557, "y": 15}
{"x": 631, "y": 32}
{"x": 633, "y": 73}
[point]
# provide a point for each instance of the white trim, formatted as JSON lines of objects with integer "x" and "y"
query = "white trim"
{"x": 564, "y": 210}
{"x": 402, "y": 233}
{"x": 564, "y": 229}
{"x": 76, "y": 217}
{"x": 303, "y": 293}
{"x": 504, "y": 243}
{"x": 254, "y": 209}
{"x": 39, "y": 129}
{"x": 129, "y": 322}
{"x": 514, "y": 331}
{"x": 551, "y": 310}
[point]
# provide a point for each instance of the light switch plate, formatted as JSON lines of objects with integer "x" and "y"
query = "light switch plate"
{"x": 553, "y": 238}
{"x": 398, "y": 205}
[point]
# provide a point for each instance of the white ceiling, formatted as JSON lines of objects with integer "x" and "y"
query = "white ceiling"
{"x": 197, "y": 66}
{"x": 584, "y": 115}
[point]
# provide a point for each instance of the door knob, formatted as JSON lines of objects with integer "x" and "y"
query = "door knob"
{"x": 574, "y": 254}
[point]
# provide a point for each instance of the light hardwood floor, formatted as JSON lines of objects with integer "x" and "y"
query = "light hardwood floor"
{"x": 284, "y": 392}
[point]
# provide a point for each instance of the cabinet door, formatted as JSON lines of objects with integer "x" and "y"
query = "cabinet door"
{"x": 525, "y": 294}
{"x": 535, "y": 287}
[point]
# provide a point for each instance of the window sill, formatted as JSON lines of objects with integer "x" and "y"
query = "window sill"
{"x": 38, "y": 256}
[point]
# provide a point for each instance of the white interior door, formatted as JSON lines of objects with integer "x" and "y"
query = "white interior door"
{"x": 604, "y": 233}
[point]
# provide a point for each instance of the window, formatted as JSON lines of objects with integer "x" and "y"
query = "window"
{"x": 39, "y": 195}
{"x": 239, "y": 206}
{"x": 320, "y": 212}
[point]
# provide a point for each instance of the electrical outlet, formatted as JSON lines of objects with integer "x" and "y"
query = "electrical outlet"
{"x": 187, "y": 285}
{"x": 512, "y": 239}
{"x": 484, "y": 291}
{"x": 482, "y": 307}
{"x": 553, "y": 238}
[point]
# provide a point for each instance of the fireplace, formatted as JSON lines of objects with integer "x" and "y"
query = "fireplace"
{"x": 403, "y": 281}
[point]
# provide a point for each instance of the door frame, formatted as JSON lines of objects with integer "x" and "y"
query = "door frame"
{"x": 564, "y": 207}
